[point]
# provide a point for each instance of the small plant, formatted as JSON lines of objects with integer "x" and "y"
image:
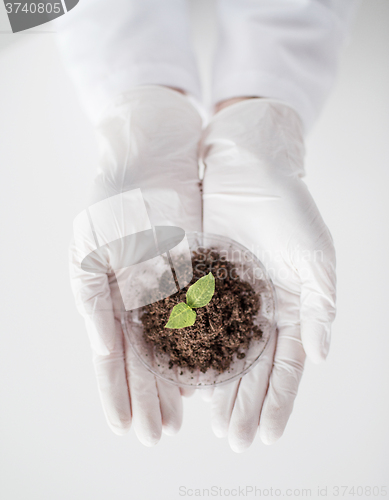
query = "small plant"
{"x": 198, "y": 295}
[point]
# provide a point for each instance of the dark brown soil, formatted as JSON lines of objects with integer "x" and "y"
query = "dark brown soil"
{"x": 223, "y": 328}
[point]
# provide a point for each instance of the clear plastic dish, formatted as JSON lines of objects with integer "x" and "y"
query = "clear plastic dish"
{"x": 249, "y": 268}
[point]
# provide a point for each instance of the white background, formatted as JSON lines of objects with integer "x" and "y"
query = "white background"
{"x": 55, "y": 442}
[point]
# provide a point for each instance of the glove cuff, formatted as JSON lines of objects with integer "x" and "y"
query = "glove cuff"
{"x": 266, "y": 129}
{"x": 158, "y": 97}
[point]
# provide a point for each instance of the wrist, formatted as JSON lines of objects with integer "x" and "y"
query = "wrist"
{"x": 228, "y": 102}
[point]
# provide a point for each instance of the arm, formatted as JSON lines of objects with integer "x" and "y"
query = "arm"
{"x": 281, "y": 49}
{"x": 111, "y": 47}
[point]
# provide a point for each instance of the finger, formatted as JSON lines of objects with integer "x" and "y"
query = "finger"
{"x": 146, "y": 413}
{"x": 318, "y": 295}
{"x": 285, "y": 377}
{"x": 206, "y": 394}
{"x": 93, "y": 300}
{"x": 99, "y": 326}
{"x": 223, "y": 401}
{"x": 171, "y": 407}
{"x": 252, "y": 390}
{"x": 187, "y": 392}
{"x": 112, "y": 384}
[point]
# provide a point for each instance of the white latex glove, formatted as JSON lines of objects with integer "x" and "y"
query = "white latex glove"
{"x": 148, "y": 140}
{"x": 253, "y": 192}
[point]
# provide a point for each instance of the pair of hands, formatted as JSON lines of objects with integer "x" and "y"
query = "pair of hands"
{"x": 151, "y": 138}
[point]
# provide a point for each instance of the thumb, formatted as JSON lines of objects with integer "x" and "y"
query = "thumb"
{"x": 318, "y": 295}
{"x": 93, "y": 301}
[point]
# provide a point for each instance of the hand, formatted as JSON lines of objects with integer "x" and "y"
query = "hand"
{"x": 253, "y": 192}
{"x": 148, "y": 141}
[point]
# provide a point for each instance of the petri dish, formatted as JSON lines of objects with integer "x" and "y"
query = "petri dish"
{"x": 251, "y": 270}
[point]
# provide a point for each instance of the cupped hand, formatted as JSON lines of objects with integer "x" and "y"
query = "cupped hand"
{"x": 147, "y": 176}
{"x": 253, "y": 153}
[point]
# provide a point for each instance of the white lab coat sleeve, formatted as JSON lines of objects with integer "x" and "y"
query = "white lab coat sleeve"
{"x": 110, "y": 47}
{"x": 282, "y": 49}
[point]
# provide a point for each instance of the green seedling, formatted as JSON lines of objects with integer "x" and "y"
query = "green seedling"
{"x": 198, "y": 295}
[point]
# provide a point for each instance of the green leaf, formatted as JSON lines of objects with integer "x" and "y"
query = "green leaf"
{"x": 181, "y": 316}
{"x": 201, "y": 292}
